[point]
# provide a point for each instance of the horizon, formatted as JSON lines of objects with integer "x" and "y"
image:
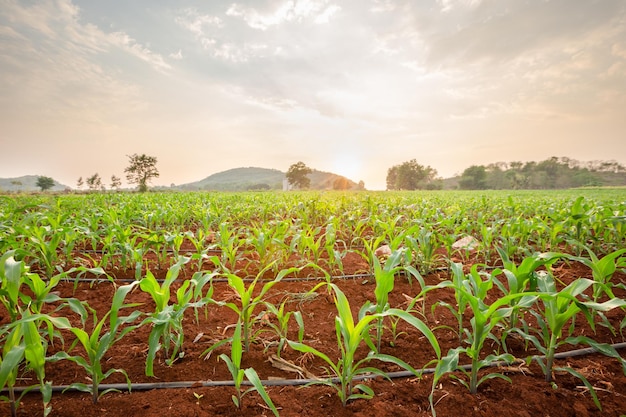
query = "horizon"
{"x": 351, "y": 87}
{"x": 105, "y": 181}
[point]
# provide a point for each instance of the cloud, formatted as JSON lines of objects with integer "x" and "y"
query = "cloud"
{"x": 195, "y": 22}
{"x": 231, "y": 76}
{"x": 177, "y": 55}
{"x": 130, "y": 45}
{"x": 289, "y": 11}
{"x": 51, "y": 56}
{"x": 449, "y": 5}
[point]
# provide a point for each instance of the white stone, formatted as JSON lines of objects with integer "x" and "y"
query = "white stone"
{"x": 384, "y": 250}
{"x": 468, "y": 243}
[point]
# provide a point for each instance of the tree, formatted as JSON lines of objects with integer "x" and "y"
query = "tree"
{"x": 297, "y": 175}
{"x": 410, "y": 176}
{"x": 79, "y": 183}
{"x": 94, "y": 182}
{"x": 45, "y": 183}
{"x": 16, "y": 184}
{"x": 341, "y": 183}
{"x": 141, "y": 170}
{"x": 474, "y": 178}
{"x": 116, "y": 182}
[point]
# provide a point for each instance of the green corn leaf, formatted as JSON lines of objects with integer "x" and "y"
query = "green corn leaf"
{"x": 367, "y": 392}
{"x": 237, "y": 349}
{"x": 301, "y": 347}
{"x": 603, "y": 348}
{"x": 493, "y": 375}
{"x": 9, "y": 365}
{"x": 253, "y": 377}
{"x": 584, "y": 380}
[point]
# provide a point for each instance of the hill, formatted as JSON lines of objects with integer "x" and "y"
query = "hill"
{"x": 254, "y": 178}
{"x": 26, "y": 183}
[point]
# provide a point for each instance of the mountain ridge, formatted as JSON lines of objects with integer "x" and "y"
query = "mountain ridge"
{"x": 27, "y": 183}
{"x": 256, "y": 178}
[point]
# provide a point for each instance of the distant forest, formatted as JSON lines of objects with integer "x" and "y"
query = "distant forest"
{"x": 553, "y": 173}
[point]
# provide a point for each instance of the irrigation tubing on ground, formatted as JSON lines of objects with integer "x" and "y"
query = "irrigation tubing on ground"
{"x": 169, "y": 250}
{"x": 144, "y": 386}
{"x": 286, "y": 279}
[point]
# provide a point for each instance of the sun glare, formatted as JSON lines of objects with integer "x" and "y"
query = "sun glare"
{"x": 347, "y": 165}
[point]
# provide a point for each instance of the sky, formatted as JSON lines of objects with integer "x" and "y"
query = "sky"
{"x": 352, "y": 87}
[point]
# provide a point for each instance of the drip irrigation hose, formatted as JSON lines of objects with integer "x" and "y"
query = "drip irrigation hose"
{"x": 169, "y": 250}
{"x": 144, "y": 386}
{"x": 286, "y": 279}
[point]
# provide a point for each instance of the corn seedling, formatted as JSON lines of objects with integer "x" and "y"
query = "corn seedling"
{"x": 350, "y": 336}
{"x": 24, "y": 344}
{"x": 97, "y": 343}
{"x": 229, "y": 243}
{"x": 385, "y": 278}
{"x": 559, "y": 309}
{"x": 472, "y": 291}
{"x": 458, "y": 276}
{"x": 520, "y": 279}
{"x": 167, "y": 319}
{"x": 422, "y": 247}
{"x": 281, "y": 327}
{"x": 331, "y": 244}
{"x": 233, "y": 362}
{"x": 602, "y": 270}
{"x": 248, "y": 302}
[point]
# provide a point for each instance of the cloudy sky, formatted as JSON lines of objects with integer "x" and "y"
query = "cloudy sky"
{"x": 353, "y": 87}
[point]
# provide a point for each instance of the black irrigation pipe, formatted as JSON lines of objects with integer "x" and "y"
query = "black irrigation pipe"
{"x": 169, "y": 250}
{"x": 101, "y": 252}
{"x": 144, "y": 386}
{"x": 287, "y": 279}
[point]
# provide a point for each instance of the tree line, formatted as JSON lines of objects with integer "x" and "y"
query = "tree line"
{"x": 141, "y": 169}
{"x": 552, "y": 173}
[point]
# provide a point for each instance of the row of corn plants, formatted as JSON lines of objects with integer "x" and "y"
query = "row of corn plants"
{"x": 527, "y": 288}
{"x": 266, "y": 230}
{"x": 122, "y": 231}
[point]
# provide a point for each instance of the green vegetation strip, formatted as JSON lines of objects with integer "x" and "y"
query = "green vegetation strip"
{"x": 296, "y": 382}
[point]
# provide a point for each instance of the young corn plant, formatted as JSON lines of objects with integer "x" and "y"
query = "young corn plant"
{"x": 174, "y": 242}
{"x": 559, "y": 309}
{"x": 391, "y": 231}
{"x": 311, "y": 245}
{"x": 422, "y": 246}
{"x": 229, "y": 244}
{"x": 24, "y": 344}
{"x": 458, "y": 310}
{"x": 602, "y": 270}
{"x": 233, "y": 362}
{"x": 473, "y": 291}
{"x": 331, "y": 244}
{"x": 199, "y": 242}
{"x": 15, "y": 274}
{"x": 520, "y": 279}
{"x": 281, "y": 327}
{"x": 98, "y": 343}
{"x": 11, "y": 279}
{"x": 268, "y": 242}
{"x": 248, "y": 302}
{"x": 350, "y": 336}
{"x": 385, "y": 279}
{"x": 167, "y": 319}
{"x": 45, "y": 245}
{"x": 578, "y": 213}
